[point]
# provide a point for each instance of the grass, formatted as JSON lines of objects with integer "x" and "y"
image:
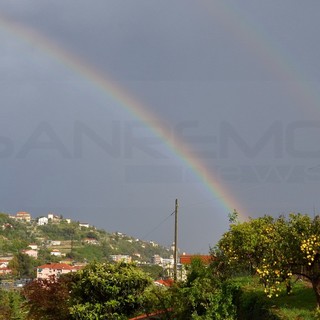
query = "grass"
{"x": 300, "y": 304}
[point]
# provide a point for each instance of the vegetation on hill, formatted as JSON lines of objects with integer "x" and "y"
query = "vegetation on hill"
{"x": 264, "y": 268}
{"x": 78, "y": 243}
{"x": 14, "y": 235}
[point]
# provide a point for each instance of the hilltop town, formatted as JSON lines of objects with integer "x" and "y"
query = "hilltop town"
{"x": 49, "y": 244}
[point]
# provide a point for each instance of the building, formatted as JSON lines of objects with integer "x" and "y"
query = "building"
{"x": 164, "y": 282}
{"x": 54, "y": 242}
{"x": 23, "y": 216}
{"x": 91, "y": 241}
{"x": 4, "y": 263}
{"x": 156, "y": 259}
{"x": 84, "y": 225}
{"x": 54, "y": 270}
{"x": 5, "y": 270}
{"x": 167, "y": 262}
{"x": 7, "y": 226}
{"x": 56, "y": 252}
{"x": 31, "y": 253}
{"x": 42, "y": 221}
{"x": 121, "y": 258}
{"x": 186, "y": 259}
{"x": 54, "y": 218}
{"x": 33, "y": 246}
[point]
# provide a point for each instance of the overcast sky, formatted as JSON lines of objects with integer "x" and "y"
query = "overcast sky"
{"x": 236, "y": 82}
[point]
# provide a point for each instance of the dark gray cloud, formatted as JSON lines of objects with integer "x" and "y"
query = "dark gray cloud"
{"x": 236, "y": 82}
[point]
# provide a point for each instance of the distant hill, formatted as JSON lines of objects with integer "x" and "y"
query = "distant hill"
{"x": 72, "y": 240}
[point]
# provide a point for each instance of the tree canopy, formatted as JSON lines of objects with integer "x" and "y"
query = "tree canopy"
{"x": 276, "y": 249}
{"x": 108, "y": 291}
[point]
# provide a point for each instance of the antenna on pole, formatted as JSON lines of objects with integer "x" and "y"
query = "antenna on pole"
{"x": 175, "y": 254}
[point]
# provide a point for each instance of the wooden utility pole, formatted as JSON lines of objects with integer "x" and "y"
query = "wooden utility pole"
{"x": 175, "y": 254}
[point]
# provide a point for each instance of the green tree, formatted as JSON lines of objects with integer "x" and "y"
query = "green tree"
{"x": 203, "y": 295}
{"x": 276, "y": 249}
{"x": 154, "y": 271}
{"x": 108, "y": 291}
{"x": 12, "y": 305}
{"x": 23, "y": 266}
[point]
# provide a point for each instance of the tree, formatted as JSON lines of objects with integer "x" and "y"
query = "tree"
{"x": 108, "y": 291}
{"x": 11, "y": 305}
{"x": 23, "y": 266}
{"x": 48, "y": 299}
{"x": 203, "y": 295}
{"x": 276, "y": 249}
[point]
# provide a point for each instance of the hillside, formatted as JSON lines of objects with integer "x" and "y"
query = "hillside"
{"x": 71, "y": 240}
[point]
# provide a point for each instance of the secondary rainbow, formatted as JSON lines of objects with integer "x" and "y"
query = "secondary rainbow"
{"x": 127, "y": 101}
{"x": 270, "y": 54}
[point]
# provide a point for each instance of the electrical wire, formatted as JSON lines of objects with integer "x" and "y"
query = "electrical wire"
{"x": 158, "y": 225}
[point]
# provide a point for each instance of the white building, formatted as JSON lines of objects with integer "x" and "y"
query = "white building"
{"x": 56, "y": 252}
{"x": 84, "y": 225}
{"x": 121, "y": 258}
{"x": 42, "y": 221}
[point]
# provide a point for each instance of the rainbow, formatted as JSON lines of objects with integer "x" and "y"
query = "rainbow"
{"x": 71, "y": 61}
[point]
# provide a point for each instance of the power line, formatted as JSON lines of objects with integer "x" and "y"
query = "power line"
{"x": 158, "y": 225}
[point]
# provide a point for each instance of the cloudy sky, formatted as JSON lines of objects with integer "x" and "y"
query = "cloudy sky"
{"x": 110, "y": 110}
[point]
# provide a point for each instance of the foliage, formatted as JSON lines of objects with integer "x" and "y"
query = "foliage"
{"x": 23, "y": 266}
{"x": 154, "y": 271}
{"x": 48, "y": 299}
{"x": 61, "y": 231}
{"x": 203, "y": 296}
{"x": 252, "y": 303}
{"x": 14, "y": 235}
{"x": 276, "y": 249}
{"x": 88, "y": 253}
{"x": 11, "y": 305}
{"x": 108, "y": 291}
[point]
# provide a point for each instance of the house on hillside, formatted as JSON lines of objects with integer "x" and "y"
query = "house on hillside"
{"x": 156, "y": 259}
{"x": 48, "y": 270}
{"x": 84, "y": 225}
{"x": 7, "y": 226}
{"x": 31, "y": 253}
{"x": 4, "y": 263}
{"x": 92, "y": 241}
{"x": 56, "y": 253}
{"x": 54, "y": 242}
{"x": 23, "y": 216}
{"x": 5, "y": 271}
{"x": 42, "y": 221}
{"x": 121, "y": 258}
{"x": 33, "y": 246}
{"x": 54, "y": 218}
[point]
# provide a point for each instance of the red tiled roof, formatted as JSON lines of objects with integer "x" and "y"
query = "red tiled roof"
{"x": 166, "y": 282}
{"x": 187, "y": 258}
{"x": 151, "y": 315}
{"x": 63, "y": 266}
{"x": 21, "y": 213}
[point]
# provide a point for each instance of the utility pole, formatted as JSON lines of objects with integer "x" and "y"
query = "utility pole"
{"x": 175, "y": 257}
